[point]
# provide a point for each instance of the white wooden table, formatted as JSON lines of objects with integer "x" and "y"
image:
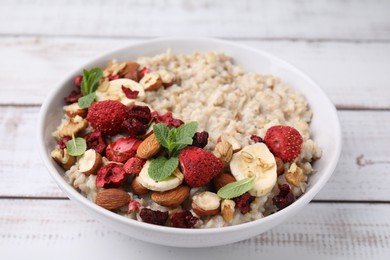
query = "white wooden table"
{"x": 343, "y": 45}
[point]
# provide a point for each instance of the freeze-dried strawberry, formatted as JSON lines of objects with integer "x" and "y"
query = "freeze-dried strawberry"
{"x": 134, "y": 165}
{"x": 154, "y": 216}
{"x": 284, "y": 198}
{"x": 256, "y": 139}
{"x": 284, "y": 142}
{"x": 199, "y": 166}
{"x": 110, "y": 176}
{"x": 134, "y": 206}
{"x": 62, "y": 142}
{"x": 122, "y": 149}
{"x": 141, "y": 113}
{"x": 200, "y": 139}
{"x": 132, "y": 94}
{"x": 107, "y": 116}
{"x": 134, "y": 127}
{"x": 95, "y": 141}
{"x": 243, "y": 202}
{"x": 183, "y": 219}
{"x": 166, "y": 119}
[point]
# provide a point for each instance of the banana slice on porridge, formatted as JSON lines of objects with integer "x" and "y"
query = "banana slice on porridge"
{"x": 112, "y": 90}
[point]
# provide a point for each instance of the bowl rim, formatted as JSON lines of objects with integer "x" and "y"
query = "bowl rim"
{"x": 73, "y": 194}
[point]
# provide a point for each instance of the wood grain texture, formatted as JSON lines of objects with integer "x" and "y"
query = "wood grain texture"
{"x": 320, "y": 231}
{"x": 360, "y": 175}
{"x": 302, "y": 19}
{"x": 353, "y": 75}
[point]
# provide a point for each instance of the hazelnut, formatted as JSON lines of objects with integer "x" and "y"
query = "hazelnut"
{"x": 62, "y": 157}
{"x": 90, "y": 162}
{"x": 206, "y": 203}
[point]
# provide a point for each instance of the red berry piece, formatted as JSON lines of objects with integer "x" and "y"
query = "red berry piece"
{"x": 134, "y": 206}
{"x": 256, "y": 139}
{"x": 284, "y": 142}
{"x": 134, "y": 127}
{"x": 141, "y": 113}
{"x": 95, "y": 141}
{"x": 284, "y": 198}
{"x": 155, "y": 217}
{"x": 184, "y": 219}
{"x": 77, "y": 80}
{"x": 200, "y": 139}
{"x": 122, "y": 149}
{"x": 107, "y": 116}
{"x": 243, "y": 202}
{"x": 131, "y": 94}
{"x": 167, "y": 119}
{"x": 110, "y": 176}
{"x": 143, "y": 71}
{"x": 134, "y": 165}
{"x": 62, "y": 142}
{"x": 113, "y": 77}
{"x": 73, "y": 96}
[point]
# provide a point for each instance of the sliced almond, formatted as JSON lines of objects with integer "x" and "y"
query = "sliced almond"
{"x": 223, "y": 179}
{"x": 227, "y": 210}
{"x": 90, "y": 162}
{"x": 74, "y": 109}
{"x": 172, "y": 198}
{"x": 151, "y": 81}
{"x": 206, "y": 203}
{"x": 137, "y": 187}
{"x": 112, "y": 198}
{"x": 149, "y": 147}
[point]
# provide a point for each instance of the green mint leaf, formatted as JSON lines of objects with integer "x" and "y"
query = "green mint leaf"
{"x": 177, "y": 150}
{"x": 84, "y": 83}
{"x": 76, "y": 146}
{"x": 91, "y": 80}
{"x": 86, "y": 101}
{"x": 161, "y": 167}
{"x": 237, "y": 188}
{"x": 161, "y": 132}
{"x": 185, "y": 132}
{"x": 171, "y": 139}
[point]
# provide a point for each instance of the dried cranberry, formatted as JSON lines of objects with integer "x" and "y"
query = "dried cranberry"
{"x": 134, "y": 127}
{"x": 113, "y": 77}
{"x": 134, "y": 165}
{"x": 62, "y": 142}
{"x": 141, "y": 113}
{"x": 132, "y": 94}
{"x": 284, "y": 198}
{"x": 183, "y": 219}
{"x": 77, "y": 80}
{"x": 153, "y": 216}
{"x": 122, "y": 149}
{"x": 243, "y": 202}
{"x": 144, "y": 70}
{"x": 74, "y": 96}
{"x": 256, "y": 138}
{"x": 110, "y": 176}
{"x": 95, "y": 141}
{"x": 200, "y": 139}
{"x": 167, "y": 119}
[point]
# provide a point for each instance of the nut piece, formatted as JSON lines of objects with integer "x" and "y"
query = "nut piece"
{"x": 151, "y": 81}
{"x": 230, "y": 139}
{"x": 279, "y": 166}
{"x": 172, "y": 198}
{"x": 112, "y": 198}
{"x": 167, "y": 78}
{"x": 223, "y": 179}
{"x": 74, "y": 109}
{"x": 206, "y": 203}
{"x": 130, "y": 71}
{"x": 62, "y": 157}
{"x": 90, "y": 162}
{"x": 75, "y": 125}
{"x": 149, "y": 147}
{"x": 227, "y": 210}
{"x": 137, "y": 187}
{"x": 295, "y": 175}
{"x": 224, "y": 151}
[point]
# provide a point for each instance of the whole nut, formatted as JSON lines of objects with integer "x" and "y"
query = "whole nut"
{"x": 206, "y": 203}
{"x": 167, "y": 78}
{"x": 172, "y": 198}
{"x": 112, "y": 198}
{"x": 151, "y": 81}
{"x": 227, "y": 210}
{"x": 223, "y": 179}
{"x": 75, "y": 125}
{"x": 62, "y": 157}
{"x": 279, "y": 166}
{"x": 130, "y": 71}
{"x": 137, "y": 187}
{"x": 224, "y": 151}
{"x": 149, "y": 147}
{"x": 90, "y": 162}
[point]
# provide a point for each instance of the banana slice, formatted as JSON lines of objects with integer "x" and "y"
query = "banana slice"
{"x": 255, "y": 160}
{"x": 168, "y": 184}
{"x": 114, "y": 91}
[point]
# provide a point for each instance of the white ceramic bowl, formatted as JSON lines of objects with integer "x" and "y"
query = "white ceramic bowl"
{"x": 325, "y": 128}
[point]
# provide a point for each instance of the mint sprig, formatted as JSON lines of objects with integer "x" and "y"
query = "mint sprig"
{"x": 89, "y": 85}
{"x": 76, "y": 146}
{"x": 236, "y": 189}
{"x": 174, "y": 140}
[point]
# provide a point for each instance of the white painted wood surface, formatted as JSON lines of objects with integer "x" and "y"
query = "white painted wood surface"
{"x": 343, "y": 45}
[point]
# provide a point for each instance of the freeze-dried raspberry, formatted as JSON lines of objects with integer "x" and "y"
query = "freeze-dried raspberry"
{"x": 256, "y": 138}
{"x": 200, "y": 139}
{"x": 62, "y": 142}
{"x": 134, "y": 127}
{"x": 134, "y": 206}
{"x": 122, "y": 149}
{"x": 95, "y": 141}
{"x": 167, "y": 119}
{"x": 243, "y": 202}
{"x": 154, "y": 216}
{"x": 284, "y": 198}
{"x": 143, "y": 71}
{"x": 183, "y": 219}
{"x": 131, "y": 94}
{"x": 141, "y": 113}
{"x": 110, "y": 176}
{"x": 74, "y": 96}
{"x": 77, "y": 80}
{"x": 134, "y": 165}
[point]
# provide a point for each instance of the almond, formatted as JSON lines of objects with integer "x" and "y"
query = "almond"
{"x": 151, "y": 81}
{"x": 279, "y": 166}
{"x": 149, "y": 147}
{"x": 223, "y": 179}
{"x": 137, "y": 187}
{"x": 206, "y": 203}
{"x": 172, "y": 198}
{"x": 227, "y": 210}
{"x": 74, "y": 109}
{"x": 224, "y": 151}
{"x": 112, "y": 198}
{"x": 90, "y": 162}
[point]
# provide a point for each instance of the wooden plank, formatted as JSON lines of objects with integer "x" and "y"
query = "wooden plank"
{"x": 362, "y": 173}
{"x": 32, "y": 66}
{"x": 239, "y": 19}
{"x": 320, "y": 231}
